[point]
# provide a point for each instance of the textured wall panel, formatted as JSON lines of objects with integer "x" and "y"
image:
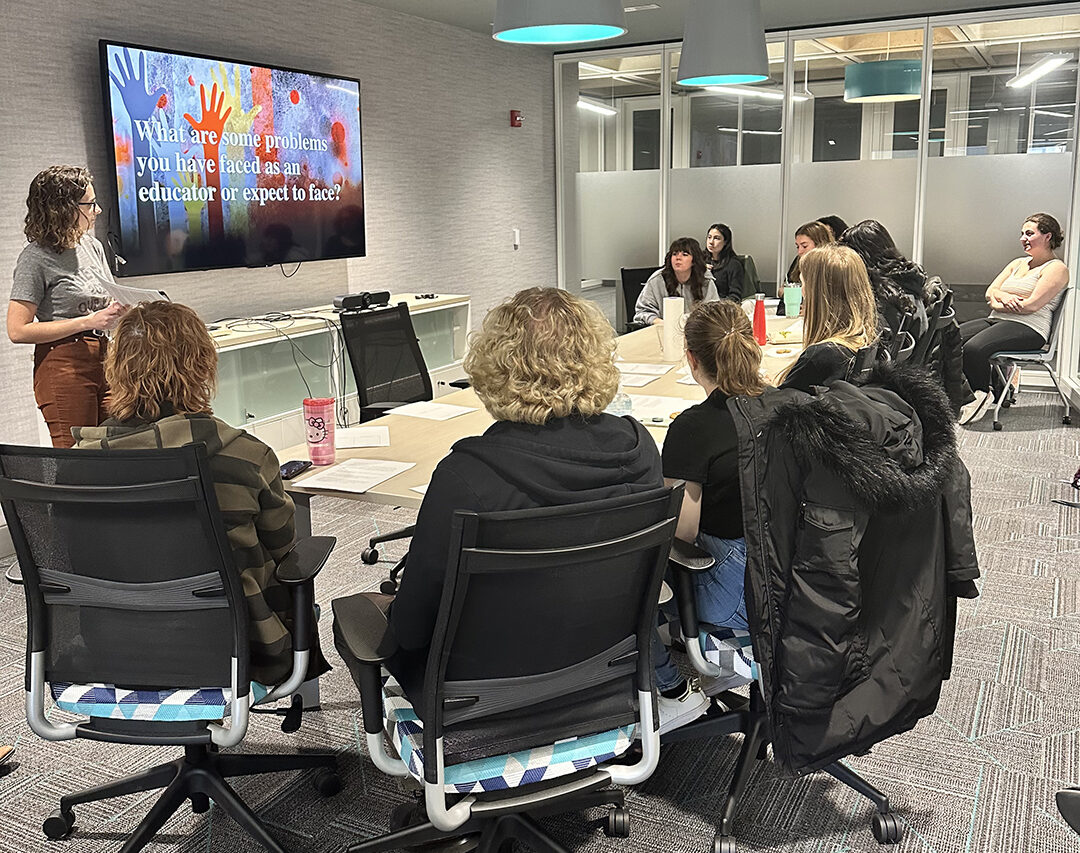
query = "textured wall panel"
{"x": 446, "y": 178}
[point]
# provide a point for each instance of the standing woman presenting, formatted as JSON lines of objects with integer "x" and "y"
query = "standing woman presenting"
{"x": 58, "y": 302}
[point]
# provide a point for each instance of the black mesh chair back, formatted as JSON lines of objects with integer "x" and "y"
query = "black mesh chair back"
{"x": 941, "y": 315}
{"x": 545, "y": 625}
{"x": 632, "y": 282}
{"x": 128, "y": 574}
{"x": 385, "y": 355}
{"x": 863, "y": 362}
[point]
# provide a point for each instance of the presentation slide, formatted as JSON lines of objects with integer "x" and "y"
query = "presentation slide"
{"x": 223, "y": 164}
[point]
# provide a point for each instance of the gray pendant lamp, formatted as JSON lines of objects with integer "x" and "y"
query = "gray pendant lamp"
{"x": 723, "y": 44}
{"x": 557, "y": 21}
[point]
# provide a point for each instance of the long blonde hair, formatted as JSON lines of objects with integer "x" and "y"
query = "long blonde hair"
{"x": 839, "y": 302}
{"x": 720, "y": 337}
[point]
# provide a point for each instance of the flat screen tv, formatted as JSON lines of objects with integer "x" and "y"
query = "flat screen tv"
{"x": 220, "y": 163}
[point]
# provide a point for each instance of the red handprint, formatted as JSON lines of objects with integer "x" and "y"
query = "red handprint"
{"x": 211, "y": 125}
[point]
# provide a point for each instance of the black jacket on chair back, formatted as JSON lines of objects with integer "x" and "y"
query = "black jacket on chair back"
{"x": 858, "y": 531}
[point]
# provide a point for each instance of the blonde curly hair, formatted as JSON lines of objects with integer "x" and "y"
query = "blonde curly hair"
{"x": 160, "y": 352}
{"x": 543, "y": 354}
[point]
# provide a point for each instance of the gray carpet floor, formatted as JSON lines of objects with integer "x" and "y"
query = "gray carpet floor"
{"x": 978, "y": 775}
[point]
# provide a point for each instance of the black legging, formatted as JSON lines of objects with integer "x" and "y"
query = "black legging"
{"x": 984, "y": 337}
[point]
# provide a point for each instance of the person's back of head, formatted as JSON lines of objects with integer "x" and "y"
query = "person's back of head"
{"x": 543, "y": 354}
{"x": 874, "y": 244}
{"x": 160, "y": 353}
{"x": 835, "y": 224}
{"x": 839, "y": 302}
{"x": 721, "y": 339}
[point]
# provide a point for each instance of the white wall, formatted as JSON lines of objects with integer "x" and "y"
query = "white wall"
{"x": 446, "y": 178}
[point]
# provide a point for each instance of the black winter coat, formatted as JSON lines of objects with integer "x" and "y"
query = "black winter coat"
{"x": 858, "y": 531}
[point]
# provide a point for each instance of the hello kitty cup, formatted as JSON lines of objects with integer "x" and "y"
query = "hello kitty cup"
{"x": 319, "y": 424}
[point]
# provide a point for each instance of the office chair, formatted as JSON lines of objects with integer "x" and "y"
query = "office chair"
{"x": 631, "y": 283}
{"x": 137, "y": 620}
{"x": 1044, "y": 358}
{"x": 751, "y": 282}
{"x": 539, "y": 673}
{"x": 898, "y": 339}
{"x": 863, "y": 362}
{"x": 729, "y": 654}
{"x": 390, "y": 371}
{"x": 940, "y": 316}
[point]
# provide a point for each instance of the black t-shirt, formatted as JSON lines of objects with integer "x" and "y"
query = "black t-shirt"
{"x": 703, "y": 447}
{"x": 819, "y": 364}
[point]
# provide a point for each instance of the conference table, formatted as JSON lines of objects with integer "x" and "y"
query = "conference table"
{"x": 425, "y": 442}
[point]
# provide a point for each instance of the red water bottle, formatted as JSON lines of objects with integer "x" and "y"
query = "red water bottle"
{"x": 759, "y": 319}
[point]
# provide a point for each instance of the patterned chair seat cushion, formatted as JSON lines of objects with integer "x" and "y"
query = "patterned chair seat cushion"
{"x": 406, "y": 732}
{"x": 121, "y": 703}
{"x": 730, "y": 650}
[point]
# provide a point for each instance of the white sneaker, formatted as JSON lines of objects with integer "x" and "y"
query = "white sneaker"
{"x": 976, "y": 408}
{"x": 685, "y": 709}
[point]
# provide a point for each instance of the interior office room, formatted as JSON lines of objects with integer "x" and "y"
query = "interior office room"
{"x": 483, "y": 175}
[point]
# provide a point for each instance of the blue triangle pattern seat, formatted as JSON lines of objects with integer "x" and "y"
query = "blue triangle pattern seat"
{"x": 499, "y": 772}
{"x": 729, "y": 649}
{"x": 170, "y": 705}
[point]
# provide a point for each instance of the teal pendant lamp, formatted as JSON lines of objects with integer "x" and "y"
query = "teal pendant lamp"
{"x": 557, "y": 21}
{"x": 723, "y": 44}
{"x": 883, "y": 81}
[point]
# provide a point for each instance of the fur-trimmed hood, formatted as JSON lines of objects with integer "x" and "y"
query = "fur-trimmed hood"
{"x": 891, "y": 440}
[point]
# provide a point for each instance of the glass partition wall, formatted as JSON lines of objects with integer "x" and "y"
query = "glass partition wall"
{"x": 951, "y": 171}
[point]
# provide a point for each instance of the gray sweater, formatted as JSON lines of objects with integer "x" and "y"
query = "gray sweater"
{"x": 650, "y": 304}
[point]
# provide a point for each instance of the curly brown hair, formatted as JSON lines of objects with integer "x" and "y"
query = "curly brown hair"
{"x": 160, "y": 353}
{"x": 543, "y": 354}
{"x": 52, "y": 206}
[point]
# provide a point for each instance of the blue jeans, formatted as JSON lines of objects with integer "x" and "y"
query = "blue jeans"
{"x": 719, "y": 596}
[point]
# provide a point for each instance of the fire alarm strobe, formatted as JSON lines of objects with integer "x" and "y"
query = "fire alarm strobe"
{"x": 517, "y": 118}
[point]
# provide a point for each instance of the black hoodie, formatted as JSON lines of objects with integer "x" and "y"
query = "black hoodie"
{"x": 513, "y": 466}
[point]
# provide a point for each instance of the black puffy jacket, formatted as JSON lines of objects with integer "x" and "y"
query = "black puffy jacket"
{"x": 858, "y": 531}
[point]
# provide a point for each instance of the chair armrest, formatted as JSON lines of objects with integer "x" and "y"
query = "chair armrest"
{"x": 379, "y": 409}
{"x": 690, "y": 557}
{"x": 364, "y": 629}
{"x": 460, "y": 383}
{"x": 305, "y": 560}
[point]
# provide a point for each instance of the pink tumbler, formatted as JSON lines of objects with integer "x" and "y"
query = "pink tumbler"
{"x": 319, "y": 421}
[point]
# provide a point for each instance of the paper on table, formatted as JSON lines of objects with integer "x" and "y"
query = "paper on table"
{"x": 355, "y": 475}
{"x": 132, "y": 295}
{"x": 688, "y": 380}
{"x": 647, "y": 408}
{"x": 431, "y": 411}
{"x": 421, "y": 489}
{"x": 635, "y": 380}
{"x": 643, "y": 369}
{"x": 377, "y": 436}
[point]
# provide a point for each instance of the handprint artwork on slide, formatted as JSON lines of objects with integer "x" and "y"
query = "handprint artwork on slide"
{"x": 241, "y": 123}
{"x": 211, "y": 125}
{"x": 140, "y": 104}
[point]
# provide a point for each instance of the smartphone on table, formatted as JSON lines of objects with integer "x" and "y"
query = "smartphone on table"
{"x": 293, "y": 468}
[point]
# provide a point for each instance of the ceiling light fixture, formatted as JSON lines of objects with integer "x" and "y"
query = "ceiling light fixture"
{"x": 723, "y": 45}
{"x": 1044, "y": 66}
{"x": 756, "y": 92}
{"x": 557, "y": 21}
{"x": 884, "y": 81}
{"x": 595, "y": 107}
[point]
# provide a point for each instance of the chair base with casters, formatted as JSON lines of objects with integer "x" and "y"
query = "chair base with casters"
{"x": 723, "y": 652}
{"x": 1007, "y": 366}
{"x": 200, "y": 776}
{"x": 370, "y": 554}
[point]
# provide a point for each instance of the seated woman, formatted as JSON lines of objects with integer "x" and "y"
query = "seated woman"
{"x": 839, "y": 319}
{"x": 543, "y": 365}
{"x": 702, "y": 448}
{"x": 161, "y": 368}
{"x": 1023, "y": 297}
{"x": 721, "y": 261}
{"x": 807, "y": 237}
{"x": 684, "y": 274}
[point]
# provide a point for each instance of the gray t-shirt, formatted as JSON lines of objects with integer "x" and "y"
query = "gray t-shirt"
{"x": 650, "y": 303}
{"x": 65, "y": 285}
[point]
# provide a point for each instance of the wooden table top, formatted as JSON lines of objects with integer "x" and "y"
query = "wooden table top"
{"x": 426, "y": 442}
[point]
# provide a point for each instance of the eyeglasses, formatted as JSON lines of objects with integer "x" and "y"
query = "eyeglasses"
{"x": 87, "y": 204}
